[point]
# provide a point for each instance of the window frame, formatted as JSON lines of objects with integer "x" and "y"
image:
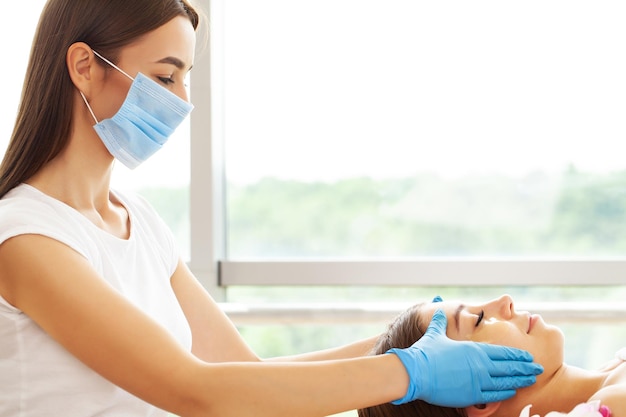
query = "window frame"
{"x": 207, "y": 176}
{"x": 425, "y": 272}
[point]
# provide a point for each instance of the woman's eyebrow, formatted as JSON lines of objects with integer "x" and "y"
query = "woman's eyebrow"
{"x": 174, "y": 61}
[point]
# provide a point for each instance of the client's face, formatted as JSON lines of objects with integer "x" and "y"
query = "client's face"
{"x": 497, "y": 322}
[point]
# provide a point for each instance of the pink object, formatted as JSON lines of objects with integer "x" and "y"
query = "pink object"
{"x": 605, "y": 411}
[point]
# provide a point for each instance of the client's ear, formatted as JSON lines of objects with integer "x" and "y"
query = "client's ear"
{"x": 482, "y": 410}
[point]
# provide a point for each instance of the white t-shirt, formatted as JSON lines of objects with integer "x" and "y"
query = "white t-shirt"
{"x": 38, "y": 377}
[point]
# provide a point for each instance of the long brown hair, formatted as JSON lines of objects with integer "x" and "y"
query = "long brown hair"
{"x": 44, "y": 119}
{"x": 402, "y": 333}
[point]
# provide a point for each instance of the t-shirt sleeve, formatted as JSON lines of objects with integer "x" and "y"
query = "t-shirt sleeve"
{"x": 28, "y": 217}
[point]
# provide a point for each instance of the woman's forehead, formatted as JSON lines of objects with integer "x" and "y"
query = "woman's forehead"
{"x": 175, "y": 38}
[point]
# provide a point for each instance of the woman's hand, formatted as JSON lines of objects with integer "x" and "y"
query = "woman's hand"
{"x": 459, "y": 374}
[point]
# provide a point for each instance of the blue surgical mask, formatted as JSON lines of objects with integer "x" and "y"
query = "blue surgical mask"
{"x": 147, "y": 118}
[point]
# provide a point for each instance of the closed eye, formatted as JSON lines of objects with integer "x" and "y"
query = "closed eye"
{"x": 166, "y": 80}
{"x": 480, "y": 317}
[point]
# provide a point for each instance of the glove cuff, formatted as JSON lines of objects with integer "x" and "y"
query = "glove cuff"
{"x": 408, "y": 361}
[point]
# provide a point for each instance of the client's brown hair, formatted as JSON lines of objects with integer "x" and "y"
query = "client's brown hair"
{"x": 402, "y": 333}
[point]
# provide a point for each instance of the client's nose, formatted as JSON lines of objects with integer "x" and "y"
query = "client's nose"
{"x": 505, "y": 304}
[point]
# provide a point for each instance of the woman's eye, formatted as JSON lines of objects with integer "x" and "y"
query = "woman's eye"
{"x": 480, "y": 317}
{"x": 166, "y": 80}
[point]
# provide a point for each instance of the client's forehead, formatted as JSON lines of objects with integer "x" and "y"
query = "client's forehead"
{"x": 428, "y": 310}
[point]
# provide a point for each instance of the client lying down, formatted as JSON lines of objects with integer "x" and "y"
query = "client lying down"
{"x": 560, "y": 388}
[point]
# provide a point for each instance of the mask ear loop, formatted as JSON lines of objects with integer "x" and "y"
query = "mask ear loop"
{"x": 113, "y": 65}
{"x": 88, "y": 106}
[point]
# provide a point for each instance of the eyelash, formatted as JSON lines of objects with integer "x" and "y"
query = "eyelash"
{"x": 480, "y": 317}
{"x": 166, "y": 80}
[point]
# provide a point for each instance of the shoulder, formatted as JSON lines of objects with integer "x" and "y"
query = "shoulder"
{"x": 144, "y": 217}
{"x": 24, "y": 210}
{"x": 614, "y": 397}
{"x": 138, "y": 206}
{"x": 20, "y": 208}
{"x": 132, "y": 200}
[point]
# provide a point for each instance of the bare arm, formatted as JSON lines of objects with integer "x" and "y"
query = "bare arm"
{"x": 48, "y": 281}
{"x": 353, "y": 350}
{"x": 207, "y": 320}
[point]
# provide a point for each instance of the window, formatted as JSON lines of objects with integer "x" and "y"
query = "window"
{"x": 415, "y": 129}
{"x": 401, "y": 144}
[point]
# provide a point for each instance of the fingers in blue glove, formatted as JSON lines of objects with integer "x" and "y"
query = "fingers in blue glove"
{"x": 508, "y": 383}
{"x": 506, "y": 361}
{"x": 496, "y": 396}
{"x": 437, "y": 299}
{"x": 496, "y": 352}
{"x": 514, "y": 368}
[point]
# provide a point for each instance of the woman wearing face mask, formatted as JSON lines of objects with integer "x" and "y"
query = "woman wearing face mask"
{"x": 98, "y": 314}
{"x": 560, "y": 387}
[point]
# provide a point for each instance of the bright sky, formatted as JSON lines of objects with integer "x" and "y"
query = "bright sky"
{"x": 326, "y": 88}
{"x": 331, "y": 88}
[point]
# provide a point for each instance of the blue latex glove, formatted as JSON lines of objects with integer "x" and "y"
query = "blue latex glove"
{"x": 460, "y": 374}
